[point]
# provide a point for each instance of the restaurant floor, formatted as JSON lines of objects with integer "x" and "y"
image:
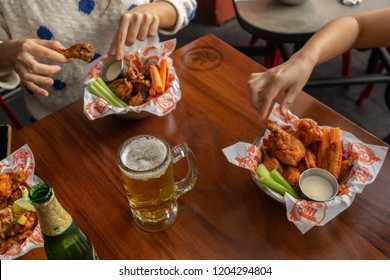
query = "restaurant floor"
{"x": 372, "y": 115}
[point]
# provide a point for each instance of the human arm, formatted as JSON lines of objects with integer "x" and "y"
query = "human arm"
{"x": 336, "y": 37}
{"x": 18, "y": 56}
{"x": 146, "y": 20}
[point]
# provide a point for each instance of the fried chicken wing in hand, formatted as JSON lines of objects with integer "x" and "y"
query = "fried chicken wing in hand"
{"x": 308, "y": 132}
{"x": 286, "y": 147}
{"x": 83, "y": 51}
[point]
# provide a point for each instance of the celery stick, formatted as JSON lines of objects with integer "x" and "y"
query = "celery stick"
{"x": 98, "y": 89}
{"x": 104, "y": 85}
{"x": 92, "y": 89}
{"x": 271, "y": 184}
{"x": 276, "y": 176}
{"x": 108, "y": 94}
{"x": 262, "y": 171}
{"x": 275, "y": 186}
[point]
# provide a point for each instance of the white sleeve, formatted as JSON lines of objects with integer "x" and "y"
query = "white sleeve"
{"x": 185, "y": 13}
{"x": 10, "y": 82}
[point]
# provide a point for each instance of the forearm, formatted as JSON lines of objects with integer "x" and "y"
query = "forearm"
{"x": 165, "y": 11}
{"x": 366, "y": 30}
{"x": 330, "y": 41}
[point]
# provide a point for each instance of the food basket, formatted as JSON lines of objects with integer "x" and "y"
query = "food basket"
{"x": 161, "y": 105}
{"x": 367, "y": 161}
{"x": 22, "y": 160}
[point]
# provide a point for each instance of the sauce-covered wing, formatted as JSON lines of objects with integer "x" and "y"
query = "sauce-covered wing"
{"x": 83, "y": 51}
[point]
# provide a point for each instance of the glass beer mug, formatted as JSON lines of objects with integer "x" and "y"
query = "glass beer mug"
{"x": 146, "y": 165}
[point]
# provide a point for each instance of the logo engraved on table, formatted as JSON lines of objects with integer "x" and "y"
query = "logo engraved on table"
{"x": 202, "y": 58}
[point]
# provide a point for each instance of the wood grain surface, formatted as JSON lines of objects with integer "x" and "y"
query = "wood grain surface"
{"x": 225, "y": 216}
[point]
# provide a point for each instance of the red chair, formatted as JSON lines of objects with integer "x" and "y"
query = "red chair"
{"x": 8, "y": 111}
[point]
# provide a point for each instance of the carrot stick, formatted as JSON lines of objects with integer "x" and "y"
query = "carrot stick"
{"x": 163, "y": 73}
{"x": 156, "y": 80}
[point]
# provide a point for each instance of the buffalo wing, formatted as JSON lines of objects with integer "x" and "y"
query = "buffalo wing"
{"x": 308, "y": 132}
{"x": 287, "y": 148}
{"x": 83, "y": 51}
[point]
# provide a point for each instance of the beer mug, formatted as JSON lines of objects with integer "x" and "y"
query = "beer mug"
{"x": 146, "y": 165}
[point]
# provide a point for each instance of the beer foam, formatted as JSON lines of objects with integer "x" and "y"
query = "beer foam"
{"x": 143, "y": 154}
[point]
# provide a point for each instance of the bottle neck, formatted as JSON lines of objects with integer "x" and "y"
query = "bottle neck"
{"x": 52, "y": 217}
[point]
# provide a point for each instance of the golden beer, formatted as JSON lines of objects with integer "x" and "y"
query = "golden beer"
{"x": 147, "y": 175}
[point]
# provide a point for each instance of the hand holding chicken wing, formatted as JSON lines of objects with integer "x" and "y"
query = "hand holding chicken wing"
{"x": 83, "y": 51}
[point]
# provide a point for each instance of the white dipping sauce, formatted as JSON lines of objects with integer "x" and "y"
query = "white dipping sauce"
{"x": 317, "y": 188}
{"x": 113, "y": 71}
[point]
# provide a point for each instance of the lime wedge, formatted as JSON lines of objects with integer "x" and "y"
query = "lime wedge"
{"x": 22, "y": 205}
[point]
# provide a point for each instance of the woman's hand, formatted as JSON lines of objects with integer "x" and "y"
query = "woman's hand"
{"x": 288, "y": 78}
{"x": 137, "y": 24}
{"x": 21, "y": 55}
{"x": 141, "y": 23}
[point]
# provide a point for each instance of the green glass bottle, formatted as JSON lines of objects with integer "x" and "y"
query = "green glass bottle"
{"x": 63, "y": 238}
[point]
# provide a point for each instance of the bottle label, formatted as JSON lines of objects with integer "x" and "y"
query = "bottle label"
{"x": 52, "y": 217}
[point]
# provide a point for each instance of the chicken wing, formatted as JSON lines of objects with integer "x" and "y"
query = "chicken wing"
{"x": 333, "y": 157}
{"x": 287, "y": 148}
{"x": 346, "y": 166}
{"x": 270, "y": 162}
{"x": 5, "y": 190}
{"x": 308, "y": 132}
{"x": 291, "y": 174}
{"x": 122, "y": 88}
{"x": 310, "y": 159}
{"x": 83, "y": 51}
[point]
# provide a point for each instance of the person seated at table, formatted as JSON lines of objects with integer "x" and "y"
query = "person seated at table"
{"x": 30, "y": 31}
{"x": 364, "y": 30}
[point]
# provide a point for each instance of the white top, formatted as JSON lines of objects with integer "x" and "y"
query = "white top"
{"x": 70, "y": 22}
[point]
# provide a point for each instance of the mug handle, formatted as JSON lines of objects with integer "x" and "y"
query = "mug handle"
{"x": 186, "y": 184}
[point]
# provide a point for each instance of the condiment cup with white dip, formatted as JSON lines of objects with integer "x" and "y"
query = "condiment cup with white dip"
{"x": 111, "y": 68}
{"x": 318, "y": 184}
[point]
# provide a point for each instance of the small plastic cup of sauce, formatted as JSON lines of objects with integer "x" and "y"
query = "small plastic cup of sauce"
{"x": 111, "y": 68}
{"x": 318, "y": 184}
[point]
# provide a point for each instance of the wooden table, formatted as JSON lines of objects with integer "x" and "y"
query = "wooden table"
{"x": 226, "y": 216}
